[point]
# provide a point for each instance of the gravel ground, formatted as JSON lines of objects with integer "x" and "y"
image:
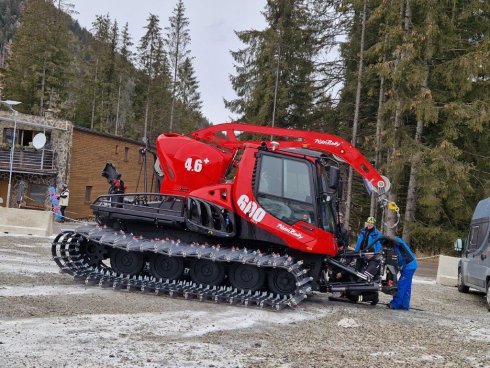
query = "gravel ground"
{"x": 46, "y": 320}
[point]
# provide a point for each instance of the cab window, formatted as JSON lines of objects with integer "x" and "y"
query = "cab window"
{"x": 285, "y": 189}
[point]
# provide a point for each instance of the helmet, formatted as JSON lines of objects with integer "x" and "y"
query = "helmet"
{"x": 371, "y": 220}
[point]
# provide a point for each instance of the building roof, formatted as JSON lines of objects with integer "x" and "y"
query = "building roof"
{"x": 107, "y": 135}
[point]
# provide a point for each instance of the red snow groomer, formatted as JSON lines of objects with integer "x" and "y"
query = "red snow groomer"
{"x": 238, "y": 220}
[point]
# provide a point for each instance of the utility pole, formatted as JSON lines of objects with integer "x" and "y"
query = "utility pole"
{"x": 9, "y": 104}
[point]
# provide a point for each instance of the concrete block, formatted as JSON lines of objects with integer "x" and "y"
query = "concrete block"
{"x": 26, "y": 222}
{"x": 447, "y": 272}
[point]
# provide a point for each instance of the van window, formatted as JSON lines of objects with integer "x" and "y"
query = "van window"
{"x": 473, "y": 243}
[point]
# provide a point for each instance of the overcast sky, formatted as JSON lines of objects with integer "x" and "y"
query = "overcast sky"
{"x": 212, "y": 26}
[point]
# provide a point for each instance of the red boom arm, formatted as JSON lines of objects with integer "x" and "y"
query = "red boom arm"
{"x": 225, "y": 135}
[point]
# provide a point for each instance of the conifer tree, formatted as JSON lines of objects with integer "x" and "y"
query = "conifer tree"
{"x": 154, "y": 66}
{"x": 38, "y": 67}
{"x": 177, "y": 41}
{"x": 275, "y": 72}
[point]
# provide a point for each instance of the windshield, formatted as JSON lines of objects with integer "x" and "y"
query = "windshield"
{"x": 326, "y": 212}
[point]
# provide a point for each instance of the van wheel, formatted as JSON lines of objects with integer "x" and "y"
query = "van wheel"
{"x": 462, "y": 288}
{"x": 488, "y": 295}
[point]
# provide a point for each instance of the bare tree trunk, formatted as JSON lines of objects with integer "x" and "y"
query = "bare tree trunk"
{"x": 145, "y": 133}
{"x": 95, "y": 92}
{"x": 356, "y": 116}
{"x": 276, "y": 86}
{"x": 377, "y": 148}
{"x": 174, "y": 83}
{"x": 412, "y": 183}
{"x": 43, "y": 86}
{"x": 391, "y": 216}
{"x": 118, "y": 102}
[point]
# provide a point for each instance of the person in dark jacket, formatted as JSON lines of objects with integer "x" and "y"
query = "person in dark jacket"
{"x": 367, "y": 242}
{"x": 343, "y": 234}
{"x": 407, "y": 263}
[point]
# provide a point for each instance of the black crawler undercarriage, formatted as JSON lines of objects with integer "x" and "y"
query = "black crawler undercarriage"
{"x": 189, "y": 248}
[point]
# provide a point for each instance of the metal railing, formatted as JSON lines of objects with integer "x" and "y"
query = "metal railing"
{"x": 28, "y": 160}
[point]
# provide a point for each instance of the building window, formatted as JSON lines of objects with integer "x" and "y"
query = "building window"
{"x": 116, "y": 149}
{"x": 38, "y": 193}
{"x": 126, "y": 153}
{"x": 22, "y": 137}
{"x": 88, "y": 193}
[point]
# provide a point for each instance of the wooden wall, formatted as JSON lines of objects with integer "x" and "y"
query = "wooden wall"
{"x": 89, "y": 153}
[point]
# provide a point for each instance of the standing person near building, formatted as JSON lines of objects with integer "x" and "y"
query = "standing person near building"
{"x": 63, "y": 198}
{"x": 407, "y": 262}
{"x": 367, "y": 242}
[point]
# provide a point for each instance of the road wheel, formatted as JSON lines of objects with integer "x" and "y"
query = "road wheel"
{"x": 207, "y": 272}
{"x": 462, "y": 288}
{"x": 353, "y": 298}
{"x": 371, "y": 298}
{"x": 166, "y": 268}
{"x": 488, "y": 295}
{"x": 247, "y": 277}
{"x": 127, "y": 263}
{"x": 281, "y": 282}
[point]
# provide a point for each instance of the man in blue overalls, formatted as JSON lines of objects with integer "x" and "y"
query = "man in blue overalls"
{"x": 407, "y": 262}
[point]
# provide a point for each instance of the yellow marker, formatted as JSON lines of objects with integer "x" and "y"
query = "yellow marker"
{"x": 392, "y": 206}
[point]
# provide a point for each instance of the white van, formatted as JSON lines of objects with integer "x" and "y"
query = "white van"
{"x": 474, "y": 266}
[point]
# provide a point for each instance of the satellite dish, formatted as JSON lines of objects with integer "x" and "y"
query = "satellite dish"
{"x": 39, "y": 141}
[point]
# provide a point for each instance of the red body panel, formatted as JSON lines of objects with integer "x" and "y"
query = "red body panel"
{"x": 189, "y": 164}
{"x": 196, "y": 167}
{"x": 301, "y": 236}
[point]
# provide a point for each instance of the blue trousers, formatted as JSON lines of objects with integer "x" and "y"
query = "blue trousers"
{"x": 402, "y": 298}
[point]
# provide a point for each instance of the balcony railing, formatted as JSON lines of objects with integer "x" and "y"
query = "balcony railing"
{"x": 28, "y": 160}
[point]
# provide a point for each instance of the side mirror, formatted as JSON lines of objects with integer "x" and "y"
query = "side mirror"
{"x": 458, "y": 245}
{"x": 333, "y": 177}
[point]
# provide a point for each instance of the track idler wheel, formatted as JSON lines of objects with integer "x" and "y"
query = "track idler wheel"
{"x": 247, "y": 277}
{"x": 127, "y": 263}
{"x": 281, "y": 282}
{"x": 93, "y": 253}
{"x": 207, "y": 272}
{"x": 166, "y": 268}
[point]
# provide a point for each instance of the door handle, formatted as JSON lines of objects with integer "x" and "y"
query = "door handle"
{"x": 307, "y": 227}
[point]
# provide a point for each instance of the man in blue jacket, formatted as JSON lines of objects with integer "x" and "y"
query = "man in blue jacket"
{"x": 367, "y": 242}
{"x": 407, "y": 262}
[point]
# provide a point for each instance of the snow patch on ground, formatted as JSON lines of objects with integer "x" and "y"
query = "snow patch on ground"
{"x": 430, "y": 358}
{"x": 26, "y": 265}
{"x": 126, "y": 340}
{"x": 424, "y": 280}
{"x": 12, "y": 235}
{"x": 13, "y": 291}
{"x": 33, "y": 245}
{"x": 383, "y": 353}
{"x": 243, "y": 318}
{"x": 348, "y": 323}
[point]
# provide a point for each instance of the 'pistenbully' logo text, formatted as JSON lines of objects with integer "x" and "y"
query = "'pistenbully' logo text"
{"x": 327, "y": 142}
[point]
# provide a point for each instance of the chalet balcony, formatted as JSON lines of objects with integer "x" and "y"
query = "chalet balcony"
{"x": 28, "y": 160}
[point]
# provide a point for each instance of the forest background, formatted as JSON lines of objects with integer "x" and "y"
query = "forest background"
{"x": 406, "y": 81}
